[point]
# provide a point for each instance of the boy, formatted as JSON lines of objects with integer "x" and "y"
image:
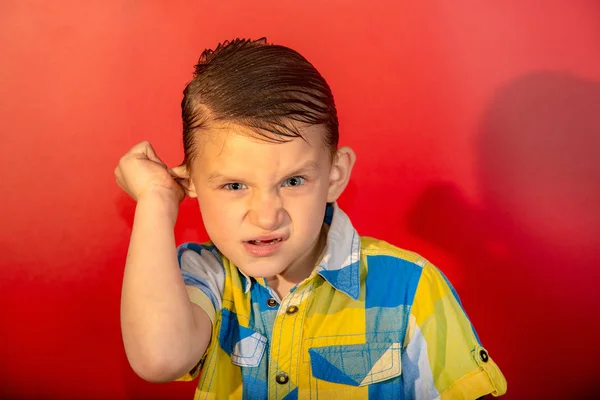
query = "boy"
{"x": 287, "y": 301}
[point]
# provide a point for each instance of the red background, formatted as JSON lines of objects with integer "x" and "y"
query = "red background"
{"x": 476, "y": 126}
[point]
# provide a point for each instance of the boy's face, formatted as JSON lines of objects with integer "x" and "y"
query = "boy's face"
{"x": 263, "y": 203}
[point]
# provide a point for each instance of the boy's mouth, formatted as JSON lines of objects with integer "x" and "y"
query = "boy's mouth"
{"x": 264, "y": 246}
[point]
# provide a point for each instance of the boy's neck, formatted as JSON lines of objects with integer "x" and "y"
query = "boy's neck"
{"x": 300, "y": 270}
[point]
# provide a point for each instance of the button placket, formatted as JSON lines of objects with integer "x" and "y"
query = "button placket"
{"x": 286, "y": 341}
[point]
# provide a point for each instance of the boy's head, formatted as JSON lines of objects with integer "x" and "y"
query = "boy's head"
{"x": 260, "y": 141}
{"x": 263, "y": 87}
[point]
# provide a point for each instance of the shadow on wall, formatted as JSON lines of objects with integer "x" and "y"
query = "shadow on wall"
{"x": 531, "y": 250}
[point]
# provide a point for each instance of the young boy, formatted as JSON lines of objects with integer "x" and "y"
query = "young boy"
{"x": 287, "y": 301}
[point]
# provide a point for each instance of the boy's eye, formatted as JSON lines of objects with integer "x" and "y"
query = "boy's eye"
{"x": 234, "y": 186}
{"x": 294, "y": 181}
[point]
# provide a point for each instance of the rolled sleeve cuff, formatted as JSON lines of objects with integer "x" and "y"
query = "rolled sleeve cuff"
{"x": 202, "y": 300}
{"x": 488, "y": 379}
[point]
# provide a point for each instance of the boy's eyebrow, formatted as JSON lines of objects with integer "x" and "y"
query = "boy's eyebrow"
{"x": 307, "y": 167}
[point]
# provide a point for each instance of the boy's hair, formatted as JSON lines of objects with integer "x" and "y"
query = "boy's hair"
{"x": 260, "y": 86}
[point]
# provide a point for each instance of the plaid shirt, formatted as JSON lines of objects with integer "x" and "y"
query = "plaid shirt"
{"x": 371, "y": 322}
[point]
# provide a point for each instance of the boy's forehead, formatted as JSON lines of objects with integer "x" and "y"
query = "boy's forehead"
{"x": 225, "y": 140}
{"x": 240, "y": 153}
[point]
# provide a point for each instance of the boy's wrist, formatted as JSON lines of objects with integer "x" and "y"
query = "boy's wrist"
{"x": 159, "y": 202}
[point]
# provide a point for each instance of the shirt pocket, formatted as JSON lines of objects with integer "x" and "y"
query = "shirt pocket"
{"x": 357, "y": 364}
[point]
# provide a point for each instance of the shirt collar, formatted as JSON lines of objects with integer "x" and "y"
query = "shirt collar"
{"x": 340, "y": 261}
{"x": 341, "y": 257}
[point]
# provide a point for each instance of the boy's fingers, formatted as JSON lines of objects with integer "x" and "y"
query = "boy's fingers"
{"x": 142, "y": 147}
{"x": 180, "y": 175}
{"x": 179, "y": 172}
{"x": 147, "y": 150}
{"x": 121, "y": 186}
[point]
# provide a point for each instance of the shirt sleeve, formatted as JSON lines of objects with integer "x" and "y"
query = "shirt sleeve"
{"x": 203, "y": 274}
{"x": 442, "y": 355}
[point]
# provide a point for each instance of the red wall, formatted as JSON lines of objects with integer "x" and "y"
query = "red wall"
{"x": 476, "y": 126}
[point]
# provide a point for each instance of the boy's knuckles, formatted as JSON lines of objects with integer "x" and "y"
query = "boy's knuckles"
{"x": 143, "y": 147}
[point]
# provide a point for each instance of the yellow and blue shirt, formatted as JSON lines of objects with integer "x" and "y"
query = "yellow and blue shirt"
{"x": 371, "y": 322}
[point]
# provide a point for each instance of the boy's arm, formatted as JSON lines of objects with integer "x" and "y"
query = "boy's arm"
{"x": 165, "y": 335}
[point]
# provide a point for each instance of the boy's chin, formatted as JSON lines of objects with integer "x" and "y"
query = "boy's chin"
{"x": 260, "y": 270}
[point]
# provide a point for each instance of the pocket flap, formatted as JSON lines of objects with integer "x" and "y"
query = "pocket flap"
{"x": 248, "y": 351}
{"x": 357, "y": 364}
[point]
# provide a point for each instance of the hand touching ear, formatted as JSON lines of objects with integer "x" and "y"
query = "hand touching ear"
{"x": 141, "y": 172}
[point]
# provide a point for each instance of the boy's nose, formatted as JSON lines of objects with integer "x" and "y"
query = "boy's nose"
{"x": 267, "y": 212}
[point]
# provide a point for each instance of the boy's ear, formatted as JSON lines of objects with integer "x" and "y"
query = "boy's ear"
{"x": 343, "y": 161}
{"x": 182, "y": 176}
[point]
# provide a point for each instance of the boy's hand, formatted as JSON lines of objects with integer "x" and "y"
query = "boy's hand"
{"x": 140, "y": 172}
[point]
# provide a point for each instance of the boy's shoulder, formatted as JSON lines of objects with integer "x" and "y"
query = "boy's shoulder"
{"x": 386, "y": 266}
{"x": 372, "y": 247}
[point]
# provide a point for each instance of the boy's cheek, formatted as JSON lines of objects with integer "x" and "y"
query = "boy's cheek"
{"x": 209, "y": 200}
{"x": 221, "y": 215}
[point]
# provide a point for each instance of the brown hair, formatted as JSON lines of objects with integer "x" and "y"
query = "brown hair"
{"x": 260, "y": 86}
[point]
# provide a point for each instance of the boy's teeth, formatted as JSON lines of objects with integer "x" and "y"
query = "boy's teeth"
{"x": 265, "y": 241}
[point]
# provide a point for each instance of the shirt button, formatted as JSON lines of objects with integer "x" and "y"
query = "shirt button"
{"x": 282, "y": 378}
{"x": 484, "y": 356}
{"x": 291, "y": 310}
{"x": 272, "y": 302}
